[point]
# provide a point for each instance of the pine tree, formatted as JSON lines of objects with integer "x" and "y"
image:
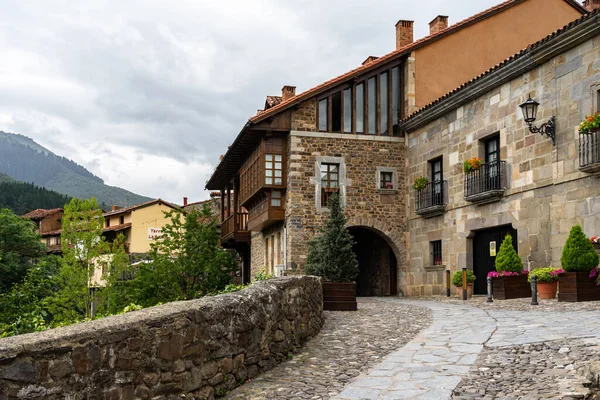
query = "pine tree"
{"x": 330, "y": 253}
{"x": 579, "y": 253}
{"x": 507, "y": 259}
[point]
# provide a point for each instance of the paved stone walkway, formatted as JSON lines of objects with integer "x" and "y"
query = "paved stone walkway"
{"x": 433, "y": 364}
{"x": 349, "y": 344}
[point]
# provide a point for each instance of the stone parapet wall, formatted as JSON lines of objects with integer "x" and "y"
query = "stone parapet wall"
{"x": 206, "y": 346}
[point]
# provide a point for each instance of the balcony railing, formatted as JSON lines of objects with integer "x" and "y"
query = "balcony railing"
{"x": 486, "y": 184}
{"x": 589, "y": 152}
{"x": 235, "y": 223}
{"x": 432, "y": 200}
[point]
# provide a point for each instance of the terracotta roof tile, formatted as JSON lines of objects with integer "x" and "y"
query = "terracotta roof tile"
{"x": 55, "y": 232}
{"x": 272, "y": 101}
{"x": 41, "y": 213}
{"x": 510, "y": 59}
{"x": 115, "y": 228}
{"x": 142, "y": 205}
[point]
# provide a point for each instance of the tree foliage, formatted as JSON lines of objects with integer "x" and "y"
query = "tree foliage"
{"x": 507, "y": 259}
{"x": 187, "y": 261}
{"x": 330, "y": 253}
{"x": 20, "y": 247}
{"x": 22, "y": 197}
{"x": 579, "y": 253}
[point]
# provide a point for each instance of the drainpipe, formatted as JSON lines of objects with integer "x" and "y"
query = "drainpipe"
{"x": 285, "y": 246}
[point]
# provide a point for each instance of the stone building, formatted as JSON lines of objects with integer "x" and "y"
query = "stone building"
{"x": 527, "y": 186}
{"x": 344, "y": 136}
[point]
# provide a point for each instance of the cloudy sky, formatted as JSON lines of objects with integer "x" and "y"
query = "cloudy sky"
{"x": 147, "y": 93}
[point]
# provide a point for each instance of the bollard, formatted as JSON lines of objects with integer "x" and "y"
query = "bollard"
{"x": 534, "y": 301}
{"x": 464, "y": 271}
{"x": 489, "y": 290}
{"x": 448, "y": 283}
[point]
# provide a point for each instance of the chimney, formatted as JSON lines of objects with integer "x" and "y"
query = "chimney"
{"x": 404, "y": 33}
{"x": 115, "y": 208}
{"x": 439, "y": 23}
{"x": 185, "y": 201}
{"x": 370, "y": 59}
{"x": 287, "y": 92}
{"x": 591, "y": 5}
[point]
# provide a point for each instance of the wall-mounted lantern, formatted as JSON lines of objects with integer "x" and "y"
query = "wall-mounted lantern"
{"x": 529, "y": 109}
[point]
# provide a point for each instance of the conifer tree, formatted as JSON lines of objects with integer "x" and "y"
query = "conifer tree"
{"x": 330, "y": 253}
{"x": 507, "y": 259}
{"x": 579, "y": 253}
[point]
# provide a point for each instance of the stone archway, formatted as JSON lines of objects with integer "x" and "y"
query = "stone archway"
{"x": 378, "y": 249}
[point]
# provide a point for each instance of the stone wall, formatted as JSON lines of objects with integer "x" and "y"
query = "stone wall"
{"x": 360, "y": 156}
{"x": 206, "y": 346}
{"x": 546, "y": 193}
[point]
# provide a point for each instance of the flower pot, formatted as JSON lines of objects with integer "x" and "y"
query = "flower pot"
{"x": 577, "y": 286}
{"x": 339, "y": 296}
{"x": 547, "y": 290}
{"x": 511, "y": 287}
{"x": 459, "y": 291}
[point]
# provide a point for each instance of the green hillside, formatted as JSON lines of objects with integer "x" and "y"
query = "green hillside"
{"x": 24, "y": 160}
{"x": 5, "y": 178}
{"x": 23, "y": 197}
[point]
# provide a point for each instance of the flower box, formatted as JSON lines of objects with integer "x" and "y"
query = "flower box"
{"x": 511, "y": 287}
{"x": 576, "y": 287}
{"x": 339, "y": 296}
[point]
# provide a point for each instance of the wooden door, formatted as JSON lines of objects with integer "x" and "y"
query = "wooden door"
{"x": 484, "y": 259}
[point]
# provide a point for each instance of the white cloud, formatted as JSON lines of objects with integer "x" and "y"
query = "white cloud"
{"x": 148, "y": 93}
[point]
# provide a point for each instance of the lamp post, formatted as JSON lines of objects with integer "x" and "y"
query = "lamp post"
{"x": 547, "y": 129}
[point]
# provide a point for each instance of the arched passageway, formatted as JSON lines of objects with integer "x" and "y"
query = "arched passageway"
{"x": 378, "y": 267}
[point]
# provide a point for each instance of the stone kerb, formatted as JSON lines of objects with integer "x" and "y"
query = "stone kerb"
{"x": 206, "y": 346}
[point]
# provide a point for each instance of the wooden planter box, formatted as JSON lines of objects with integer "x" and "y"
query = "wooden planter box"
{"x": 576, "y": 287}
{"x": 511, "y": 287}
{"x": 339, "y": 296}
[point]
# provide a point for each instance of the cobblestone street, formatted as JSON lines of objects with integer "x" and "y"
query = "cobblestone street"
{"x": 349, "y": 344}
{"x": 468, "y": 350}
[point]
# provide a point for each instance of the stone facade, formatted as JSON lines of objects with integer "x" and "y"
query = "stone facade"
{"x": 545, "y": 193}
{"x": 206, "y": 346}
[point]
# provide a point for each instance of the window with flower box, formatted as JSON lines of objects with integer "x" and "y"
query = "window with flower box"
{"x": 436, "y": 252}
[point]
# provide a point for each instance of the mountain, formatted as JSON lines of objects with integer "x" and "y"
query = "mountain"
{"x": 5, "y": 178}
{"x": 24, "y": 160}
{"x": 23, "y": 197}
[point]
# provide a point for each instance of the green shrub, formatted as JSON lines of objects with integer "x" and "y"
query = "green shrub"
{"x": 507, "y": 259}
{"x": 330, "y": 253}
{"x": 547, "y": 274}
{"x": 579, "y": 253}
{"x": 457, "y": 279}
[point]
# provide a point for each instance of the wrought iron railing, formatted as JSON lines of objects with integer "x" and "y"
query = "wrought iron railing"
{"x": 589, "y": 149}
{"x": 434, "y": 194}
{"x": 490, "y": 177}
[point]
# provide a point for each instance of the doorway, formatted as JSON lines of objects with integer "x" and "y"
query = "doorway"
{"x": 486, "y": 245}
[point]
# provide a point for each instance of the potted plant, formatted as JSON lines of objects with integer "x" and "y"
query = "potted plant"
{"x": 590, "y": 124}
{"x": 472, "y": 164}
{"x": 330, "y": 256}
{"x": 509, "y": 281}
{"x": 547, "y": 281}
{"x": 420, "y": 183}
{"x": 457, "y": 280}
{"x": 579, "y": 261}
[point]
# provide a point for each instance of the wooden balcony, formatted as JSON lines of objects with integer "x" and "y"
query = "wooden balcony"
{"x": 264, "y": 214}
{"x": 235, "y": 229}
{"x": 589, "y": 152}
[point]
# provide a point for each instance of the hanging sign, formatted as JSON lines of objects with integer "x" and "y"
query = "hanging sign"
{"x": 492, "y": 249}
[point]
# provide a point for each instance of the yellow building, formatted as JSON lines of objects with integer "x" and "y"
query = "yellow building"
{"x": 140, "y": 224}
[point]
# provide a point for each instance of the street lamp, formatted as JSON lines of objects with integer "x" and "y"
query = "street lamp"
{"x": 547, "y": 129}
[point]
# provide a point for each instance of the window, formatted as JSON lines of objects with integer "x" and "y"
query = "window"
{"x": 383, "y": 103}
{"x": 330, "y": 182}
{"x": 492, "y": 150}
{"x": 395, "y": 95}
{"x": 386, "y": 180}
{"x": 48, "y": 242}
{"x": 372, "y": 106}
{"x": 122, "y": 220}
{"x": 436, "y": 252}
{"x": 273, "y": 169}
{"x": 360, "y": 108}
{"x": 323, "y": 109}
{"x": 276, "y": 198}
{"x": 437, "y": 176}
{"x": 336, "y": 112}
{"x": 348, "y": 110}
{"x": 597, "y": 101}
{"x": 107, "y": 222}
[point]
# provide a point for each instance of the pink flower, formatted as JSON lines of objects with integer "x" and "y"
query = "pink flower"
{"x": 495, "y": 274}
